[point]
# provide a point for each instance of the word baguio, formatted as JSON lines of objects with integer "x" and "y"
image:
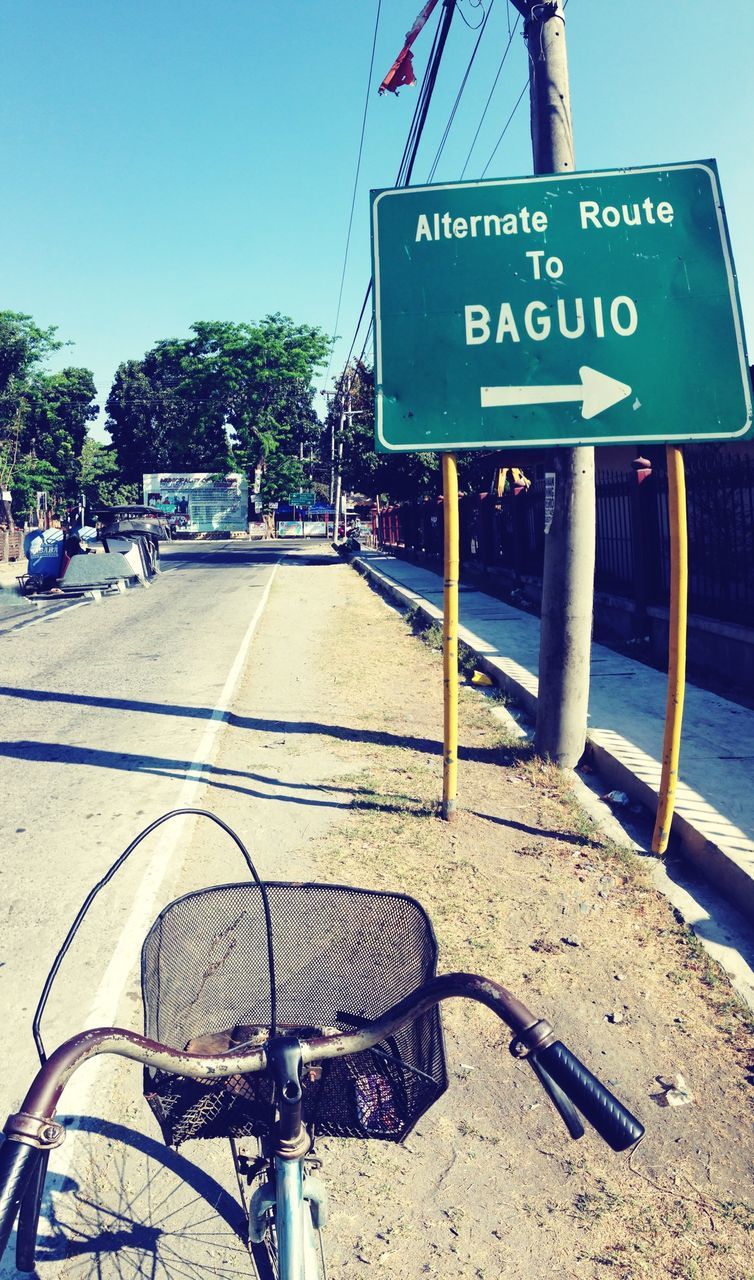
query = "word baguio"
{"x": 537, "y": 320}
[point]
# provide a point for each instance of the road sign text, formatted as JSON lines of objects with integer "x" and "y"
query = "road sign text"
{"x": 536, "y": 319}
{"x": 562, "y": 309}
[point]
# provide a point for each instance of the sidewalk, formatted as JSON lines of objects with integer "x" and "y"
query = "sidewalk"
{"x": 714, "y": 818}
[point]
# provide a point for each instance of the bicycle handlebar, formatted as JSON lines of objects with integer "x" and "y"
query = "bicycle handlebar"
{"x": 44, "y": 1094}
{"x": 601, "y": 1108}
{"x": 33, "y": 1129}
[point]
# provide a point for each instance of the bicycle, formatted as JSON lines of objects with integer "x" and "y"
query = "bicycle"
{"x": 320, "y": 1047}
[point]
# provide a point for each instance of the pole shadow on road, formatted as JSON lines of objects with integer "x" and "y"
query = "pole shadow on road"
{"x": 211, "y": 775}
{"x": 376, "y": 737}
{"x": 133, "y": 1206}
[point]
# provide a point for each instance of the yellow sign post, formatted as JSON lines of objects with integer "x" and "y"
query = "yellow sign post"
{"x": 671, "y": 747}
{"x": 450, "y": 635}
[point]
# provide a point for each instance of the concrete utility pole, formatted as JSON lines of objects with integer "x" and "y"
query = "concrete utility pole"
{"x": 568, "y": 584}
{"x": 345, "y": 401}
{"x": 332, "y": 458}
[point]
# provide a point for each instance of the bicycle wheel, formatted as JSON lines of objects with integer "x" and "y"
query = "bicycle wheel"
{"x": 131, "y": 1207}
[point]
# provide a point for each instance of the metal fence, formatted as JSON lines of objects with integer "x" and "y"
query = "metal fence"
{"x": 633, "y": 546}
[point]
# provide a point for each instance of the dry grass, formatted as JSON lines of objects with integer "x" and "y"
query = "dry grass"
{"x": 524, "y": 887}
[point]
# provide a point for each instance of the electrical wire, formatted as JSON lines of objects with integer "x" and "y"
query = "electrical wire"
{"x": 506, "y": 51}
{"x": 417, "y": 125}
{"x": 355, "y": 186}
{"x": 428, "y": 87}
{"x": 411, "y": 138}
{"x": 367, "y": 340}
{"x": 505, "y": 129}
{"x": 462, "y": 15}
{"x": 513, "y": 112}
{"x": 410, "y": 150}
{"x": 459, "y": 95}
{"x": 367, "y": 296}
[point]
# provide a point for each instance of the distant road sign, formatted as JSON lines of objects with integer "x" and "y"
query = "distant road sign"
{"x": 586, "y": 308}
{"x": 302, "y": 499}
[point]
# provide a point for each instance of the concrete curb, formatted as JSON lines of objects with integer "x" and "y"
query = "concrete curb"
{"x": 728, "y": 864}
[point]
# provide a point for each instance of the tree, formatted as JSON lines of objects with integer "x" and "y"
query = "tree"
{"x": 43, "y": 417}
{"x": 100, "y": 477}
{"x": 392, "y": 476}
{"x": 283, "y": 475}
{"x": 226, "y": 398}
{"x": 142, "y": 411}
{"x": 60, "y": 407}
{"x": 30, "y": 477}
{"x": 23, "y": 347}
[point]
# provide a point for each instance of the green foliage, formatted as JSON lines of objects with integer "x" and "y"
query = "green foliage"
{"x": 23, "y": 347}
{"x": 100, "y": 477}
{"x": 43, "y": 416}
{"x": 60, "y": 405}
{"x": 228, "y": 398}
{"x": 31, "y": 476}
{"x": 393, "y": 476}
{"x": 283, "y": 475}
{"x": 396, "y": 477}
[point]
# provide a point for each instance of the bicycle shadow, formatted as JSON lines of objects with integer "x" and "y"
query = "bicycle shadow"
{"x": 134, "y": 1208}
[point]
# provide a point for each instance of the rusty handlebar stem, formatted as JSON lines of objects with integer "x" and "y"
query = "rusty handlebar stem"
{"x": 38, "y": 1109}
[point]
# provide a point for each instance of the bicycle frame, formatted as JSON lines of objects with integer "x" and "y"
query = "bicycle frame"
{"x": 296, "y": 1250}
{"x": 33, "y": 1131}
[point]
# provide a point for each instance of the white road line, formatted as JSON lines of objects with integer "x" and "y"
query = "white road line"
{"x": 104, "y": 1007}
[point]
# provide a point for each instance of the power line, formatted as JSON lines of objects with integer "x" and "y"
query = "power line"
{"x": 355, "y": 185}
{"x": 459, "y": 95}
{"x": 428, "y": 87}
{"x": 512, "y": 114}
{"x": 408, "y": 159}
{"x": 367, "y": 296}
{"x": 461, "y": 13}
{"x": 505, "y": 129}
{"x": 367, "y": 340}
{"x": 511, "y": 34}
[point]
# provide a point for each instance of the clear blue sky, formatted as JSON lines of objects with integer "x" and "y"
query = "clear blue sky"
{"x": 171, "y": 161}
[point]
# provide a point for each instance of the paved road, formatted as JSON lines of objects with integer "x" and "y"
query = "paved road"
{"x": 113, "y": 714}
{"x": 105, "y": 708}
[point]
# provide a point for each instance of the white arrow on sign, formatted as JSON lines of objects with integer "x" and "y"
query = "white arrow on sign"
{"x": 596, "y": 390}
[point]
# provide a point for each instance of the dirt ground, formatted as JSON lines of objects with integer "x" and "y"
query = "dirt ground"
{"x": 523, "y": 887}
{"x": 331, "y": 765}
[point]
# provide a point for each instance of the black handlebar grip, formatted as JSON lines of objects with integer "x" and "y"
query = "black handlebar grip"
{"x": 596, "y": 1103}
{"x": 17, "y": 1164}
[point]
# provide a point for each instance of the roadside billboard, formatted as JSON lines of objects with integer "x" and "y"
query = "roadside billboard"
{"x": 199, "y": 501}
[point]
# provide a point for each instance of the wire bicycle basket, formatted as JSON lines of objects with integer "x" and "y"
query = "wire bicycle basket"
{"x": 342, "y": 956}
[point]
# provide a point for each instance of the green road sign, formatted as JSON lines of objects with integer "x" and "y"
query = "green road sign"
{"x": 303, "y": 499}
{"x": 580, "y": 308}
